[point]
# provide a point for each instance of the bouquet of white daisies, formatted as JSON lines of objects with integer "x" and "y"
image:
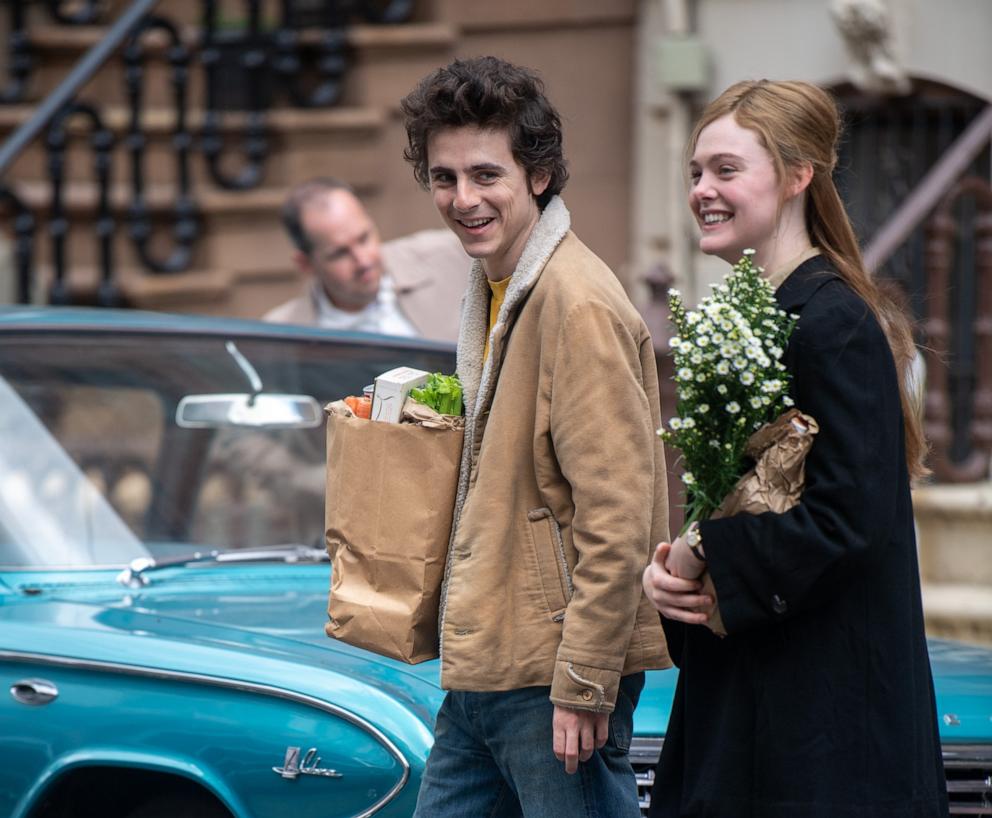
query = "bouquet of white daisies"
{"x": 730, "y": 381}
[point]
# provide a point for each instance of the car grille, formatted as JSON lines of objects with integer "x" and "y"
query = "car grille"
{"x": 644, "y": 754}
{"x": 968, "y": 768}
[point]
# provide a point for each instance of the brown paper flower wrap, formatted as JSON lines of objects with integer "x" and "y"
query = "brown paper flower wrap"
{"x": 775, "y": 483}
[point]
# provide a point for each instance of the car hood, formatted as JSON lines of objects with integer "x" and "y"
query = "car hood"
{"x": 247, "y": 622}
{"x": 962, "y": 677}
{"x": 257, "y": 624}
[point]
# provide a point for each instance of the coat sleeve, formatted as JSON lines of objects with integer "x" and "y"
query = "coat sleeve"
{"x": 604, "y": 435}
{"x": 769, "y": 567}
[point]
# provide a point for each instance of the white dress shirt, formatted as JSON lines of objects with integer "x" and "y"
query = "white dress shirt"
{"x": 382, "y": 315}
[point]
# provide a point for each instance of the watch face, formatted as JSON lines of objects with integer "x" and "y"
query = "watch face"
{"x": 692, "y": 536}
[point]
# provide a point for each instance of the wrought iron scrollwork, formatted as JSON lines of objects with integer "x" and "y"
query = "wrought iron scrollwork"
{"x": 253, "y": 60}
{"x": 186, "y": 226}
{"x": 24, "y": 244}
{"x": 102, "y": 143}
{"x": 20, "y": 60}
{"x": 385, "y": 11}
{"x": 88, "y": 13}
{"x": 332, "y": 62}
{"x": 942, "y": 232}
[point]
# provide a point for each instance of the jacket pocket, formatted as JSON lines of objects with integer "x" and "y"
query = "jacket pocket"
{"x": 549, "y": 551}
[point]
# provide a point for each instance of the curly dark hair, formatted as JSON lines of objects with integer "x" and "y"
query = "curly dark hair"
{"x": 489, "y": 93}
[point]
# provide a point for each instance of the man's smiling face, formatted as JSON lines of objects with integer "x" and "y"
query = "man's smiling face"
{"x": 484, "y": 195}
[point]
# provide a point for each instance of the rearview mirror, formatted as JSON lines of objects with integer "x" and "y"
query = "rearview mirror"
{"x": 261, "y": 411}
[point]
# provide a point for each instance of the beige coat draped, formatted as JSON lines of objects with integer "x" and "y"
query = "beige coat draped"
{"x": 562, "y": 491}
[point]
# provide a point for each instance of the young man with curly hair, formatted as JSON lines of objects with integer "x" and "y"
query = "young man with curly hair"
{"x": 545, "y": 635}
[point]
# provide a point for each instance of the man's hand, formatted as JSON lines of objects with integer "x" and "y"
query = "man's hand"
{"x": 577, "y": 733}
{"x": 675, "y": 598}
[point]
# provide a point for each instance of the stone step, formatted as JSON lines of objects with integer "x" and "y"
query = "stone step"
{"x": 232, "y": 12}
{"x": 958, "y": 611}
{"x": 376, "y": 56}
{"x": 240, "y": 229}
{"x": 954, "y": 530}
{"x": 213, "y": 291}
{"x": 344, "y": 142}
{"x": 511, "y": 15}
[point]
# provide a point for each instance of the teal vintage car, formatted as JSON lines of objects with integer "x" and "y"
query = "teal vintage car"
{"x": 163, "y": 585}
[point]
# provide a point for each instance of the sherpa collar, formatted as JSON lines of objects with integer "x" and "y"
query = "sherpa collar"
{"x": 478, "y": 378}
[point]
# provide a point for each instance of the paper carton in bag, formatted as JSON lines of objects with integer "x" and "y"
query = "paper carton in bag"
{"x": 391, "y": 389}
{"x": 390, "y": 496}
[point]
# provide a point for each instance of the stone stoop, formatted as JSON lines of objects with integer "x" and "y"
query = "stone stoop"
{"x": 954, "y": 530}
{"x": 242, "y": 266}
{"x": 241, "y": 263}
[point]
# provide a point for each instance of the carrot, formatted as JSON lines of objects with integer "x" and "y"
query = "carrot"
{"x": 361, "y": 407}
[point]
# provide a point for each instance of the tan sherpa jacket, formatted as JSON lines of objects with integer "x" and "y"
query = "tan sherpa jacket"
{"x": 562, "y": 492}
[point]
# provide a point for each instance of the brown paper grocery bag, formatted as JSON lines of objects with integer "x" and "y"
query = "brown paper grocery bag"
{"x": 390, "y": 497}
{"x": 775, "y": 483}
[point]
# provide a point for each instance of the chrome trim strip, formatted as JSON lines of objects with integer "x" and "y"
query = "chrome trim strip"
{"x": 247, "y": 687}
{"x": 41, "y": 568}
{"x": 958, "y": 755}
{"x": 645, "y": 750}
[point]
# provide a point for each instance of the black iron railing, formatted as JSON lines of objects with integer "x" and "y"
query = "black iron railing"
{"x": 245, "y": 70}
{"x": 185, "y": 224}
{"x": 915, "y": 174}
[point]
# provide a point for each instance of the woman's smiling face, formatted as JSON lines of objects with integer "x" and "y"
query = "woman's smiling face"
{"x": 734, "y": 192}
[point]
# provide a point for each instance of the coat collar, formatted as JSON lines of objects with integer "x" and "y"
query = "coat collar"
{"x": 805, "y": 280}
{"x": 479, "y": 378}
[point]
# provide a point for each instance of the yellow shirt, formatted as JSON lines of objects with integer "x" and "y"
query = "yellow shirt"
{"x": 498, "y": 289}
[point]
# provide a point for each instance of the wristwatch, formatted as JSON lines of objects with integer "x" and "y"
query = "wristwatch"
{"x": 694, "y": 540}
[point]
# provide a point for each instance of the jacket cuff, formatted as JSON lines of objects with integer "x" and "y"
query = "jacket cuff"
{"x": 582, "y": 687}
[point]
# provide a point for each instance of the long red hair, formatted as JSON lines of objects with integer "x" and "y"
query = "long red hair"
{"x": 798, "y": 123}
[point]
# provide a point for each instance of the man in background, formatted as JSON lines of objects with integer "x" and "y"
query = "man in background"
{"x": 411, "y": 286}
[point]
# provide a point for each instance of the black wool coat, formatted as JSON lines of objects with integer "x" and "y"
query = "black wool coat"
{"x": 819, "y": 703}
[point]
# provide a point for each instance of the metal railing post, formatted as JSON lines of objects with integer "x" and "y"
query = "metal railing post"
{"x": 76, "y": 79}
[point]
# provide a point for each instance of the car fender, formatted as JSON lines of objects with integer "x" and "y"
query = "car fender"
{"x": 109, "y": 756}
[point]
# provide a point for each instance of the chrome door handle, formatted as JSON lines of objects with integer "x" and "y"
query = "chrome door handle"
{"x": 34, "y": 691}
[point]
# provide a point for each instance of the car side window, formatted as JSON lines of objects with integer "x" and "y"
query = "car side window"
{"x": 115, "y": 435}
{"x": 262, "y": 487}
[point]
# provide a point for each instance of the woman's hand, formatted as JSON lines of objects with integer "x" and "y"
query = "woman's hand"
{"x": 675, "y": 597}
{"x": 682, "y": 562}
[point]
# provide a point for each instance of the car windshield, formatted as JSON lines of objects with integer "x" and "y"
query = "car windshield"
{"x": 95, "y": 470}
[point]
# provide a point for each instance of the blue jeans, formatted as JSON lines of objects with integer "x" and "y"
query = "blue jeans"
{"x": 493, "y": 758}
